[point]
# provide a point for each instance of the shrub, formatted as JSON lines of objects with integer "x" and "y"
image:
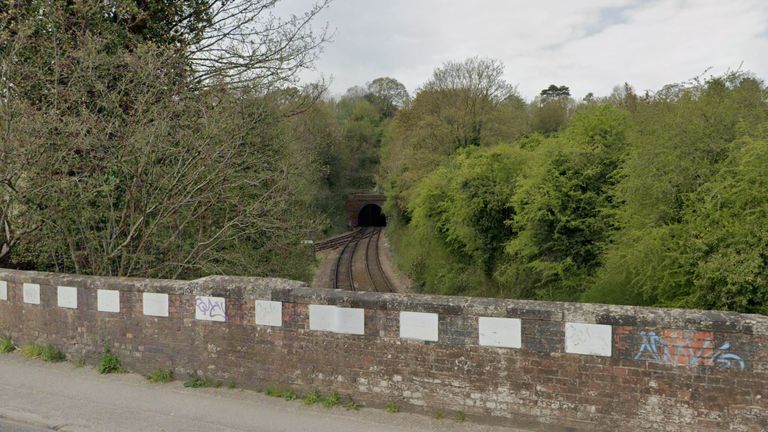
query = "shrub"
{"x": 110, "y": 363}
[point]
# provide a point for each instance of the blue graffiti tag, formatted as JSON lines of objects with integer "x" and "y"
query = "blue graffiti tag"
{"x": 655, "y": 349}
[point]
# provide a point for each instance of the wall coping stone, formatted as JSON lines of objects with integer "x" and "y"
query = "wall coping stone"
{"x": 284, "y": 290}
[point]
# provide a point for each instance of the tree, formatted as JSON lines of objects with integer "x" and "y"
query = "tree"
{"x": 387, "y": 95}
{"x": 117, "y": 164}
{"x": 555, "y": 92}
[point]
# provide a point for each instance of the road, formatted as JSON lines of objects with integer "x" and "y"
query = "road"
{"x": 37, "y": 396}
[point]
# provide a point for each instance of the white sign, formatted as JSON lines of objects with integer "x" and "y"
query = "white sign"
{"x": 4, "y": 290}
{"x": 108, "y": 300}
{"x": 269, "y": 313}
{"x": 210, "y": 308}
{"x": 31, "y": 293}
{"x": 155, "y": 304}
{"x": 590, "y": 339}
{"x": 418, "y": 325}
{"x": 67, "y": 297}
{"x": 337, "y": 319}
{"x": 500, "y": 332}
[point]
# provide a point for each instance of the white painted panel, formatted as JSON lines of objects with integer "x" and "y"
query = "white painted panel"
{"x": 590, "y": 339}
{"x": 4, "y": 290}
{"x": 418, "y": 325}
{"x": 155, "y": 304}
{"x": 322, "y": 318}
{"x": 337, "y": 319}
{"x": 108, "y": 300}
{"x": 269, "y": 313}
{"x": 31, "y": 293}
{"x": 350, "y": 321}
{"x": 500, "y": 332}
{"x": 210, "y": 308}
{"x": 67, "y": 297}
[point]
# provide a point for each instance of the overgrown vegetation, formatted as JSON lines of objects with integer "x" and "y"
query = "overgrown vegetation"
{"x": 160, "y": 376}
{"x": 391, "y": 407}
{"x": 313, "y": 397}
{"x": 109, "y": 363}
{"x": 45, "y": 352}
{"x": 199, "y": 381}
{"x": 6, "y": 345}
{"x": 647, "y": 200}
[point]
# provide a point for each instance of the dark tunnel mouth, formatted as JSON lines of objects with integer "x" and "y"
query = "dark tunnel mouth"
{"x": 371, "y": 216}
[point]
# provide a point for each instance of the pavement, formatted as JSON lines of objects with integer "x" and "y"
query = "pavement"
{"x": 37, "y": 396}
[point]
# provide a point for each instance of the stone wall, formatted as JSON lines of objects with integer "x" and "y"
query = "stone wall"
{"x": 553, "y": 366}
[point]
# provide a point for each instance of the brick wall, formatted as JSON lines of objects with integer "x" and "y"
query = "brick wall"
{"x": 553, "y": 366}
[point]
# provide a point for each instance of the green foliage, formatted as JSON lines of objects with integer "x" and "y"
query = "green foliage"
{"x": 391, "y": 407}
{"x": 6, "y": 345}
{"x": 564, "y": 208}
{"x": 109, "y": 363}
{"x": 332, "y": 399}
{"x": 160, "y": 376}
{"x": 45, "y": 352}
{"x": 286, "y": 394}
{"x": 652, "y": 200}
{"x": 313, "y": 397}
{"x": 198, "y": 381}
{"x": 459, "y": 416}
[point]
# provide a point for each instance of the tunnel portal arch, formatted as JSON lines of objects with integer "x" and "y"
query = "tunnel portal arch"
{"x": 361, "y": 207}
{"x": 371, "y": 215}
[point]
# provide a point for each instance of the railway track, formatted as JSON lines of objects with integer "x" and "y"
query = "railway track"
{"x": 358, "y": 264}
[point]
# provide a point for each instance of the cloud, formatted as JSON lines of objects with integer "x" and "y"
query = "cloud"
{"x": 590, "y": 46}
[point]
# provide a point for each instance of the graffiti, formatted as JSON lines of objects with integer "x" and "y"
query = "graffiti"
{"x": 685, "y": 348}
{"x": 210, "y": 308}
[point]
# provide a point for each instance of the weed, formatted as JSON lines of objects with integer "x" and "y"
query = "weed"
{"x": 332, "y": 400}
{"x": 197, "y": 381}
{"x": 438, "y": 415}
{"x": 286, "y": 394}
{"x": 312, "y": 397}
{"x": 80, "y": 362}
{"x": 391, "y": 407}
{"x": 459, "y": 416}
{"x": 160, "y": 376}
{"x": 231, "y": 384}
{"x": 6, "y": 345}
{"x": 110, "y": 363}
{"x": 349, "y": 403}
{"x": 45, "y": 352}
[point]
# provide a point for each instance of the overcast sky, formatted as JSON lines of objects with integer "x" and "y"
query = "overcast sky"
{"x": 589, "y": 45}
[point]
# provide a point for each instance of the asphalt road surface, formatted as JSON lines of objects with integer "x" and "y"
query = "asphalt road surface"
{"x": 37, "y": 396}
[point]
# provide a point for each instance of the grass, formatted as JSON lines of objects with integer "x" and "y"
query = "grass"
{"x": 45, "y": 352}
{"x": 231, "y": 384}
{"x": 391, "y": 408}
{"x": 109, "y": 363}
{"x": 286, "y": 394}
{"x": 6, "y": 345}
{"x": 197, "y": 381}
{"x": 313, "y": 397}
{"x": 438, "y": 415}
{"x": 459, "y": 416}
{"x": 160, "y": 376}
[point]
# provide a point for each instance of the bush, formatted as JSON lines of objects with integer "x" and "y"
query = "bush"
{"x": 391, "y": 407}
{"x": 110, "y": 363}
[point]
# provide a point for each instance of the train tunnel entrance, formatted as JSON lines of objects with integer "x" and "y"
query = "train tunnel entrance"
{"x": 371, "y": 216}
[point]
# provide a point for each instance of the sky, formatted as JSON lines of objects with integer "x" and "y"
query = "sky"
{"x": 588, "y": 45}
